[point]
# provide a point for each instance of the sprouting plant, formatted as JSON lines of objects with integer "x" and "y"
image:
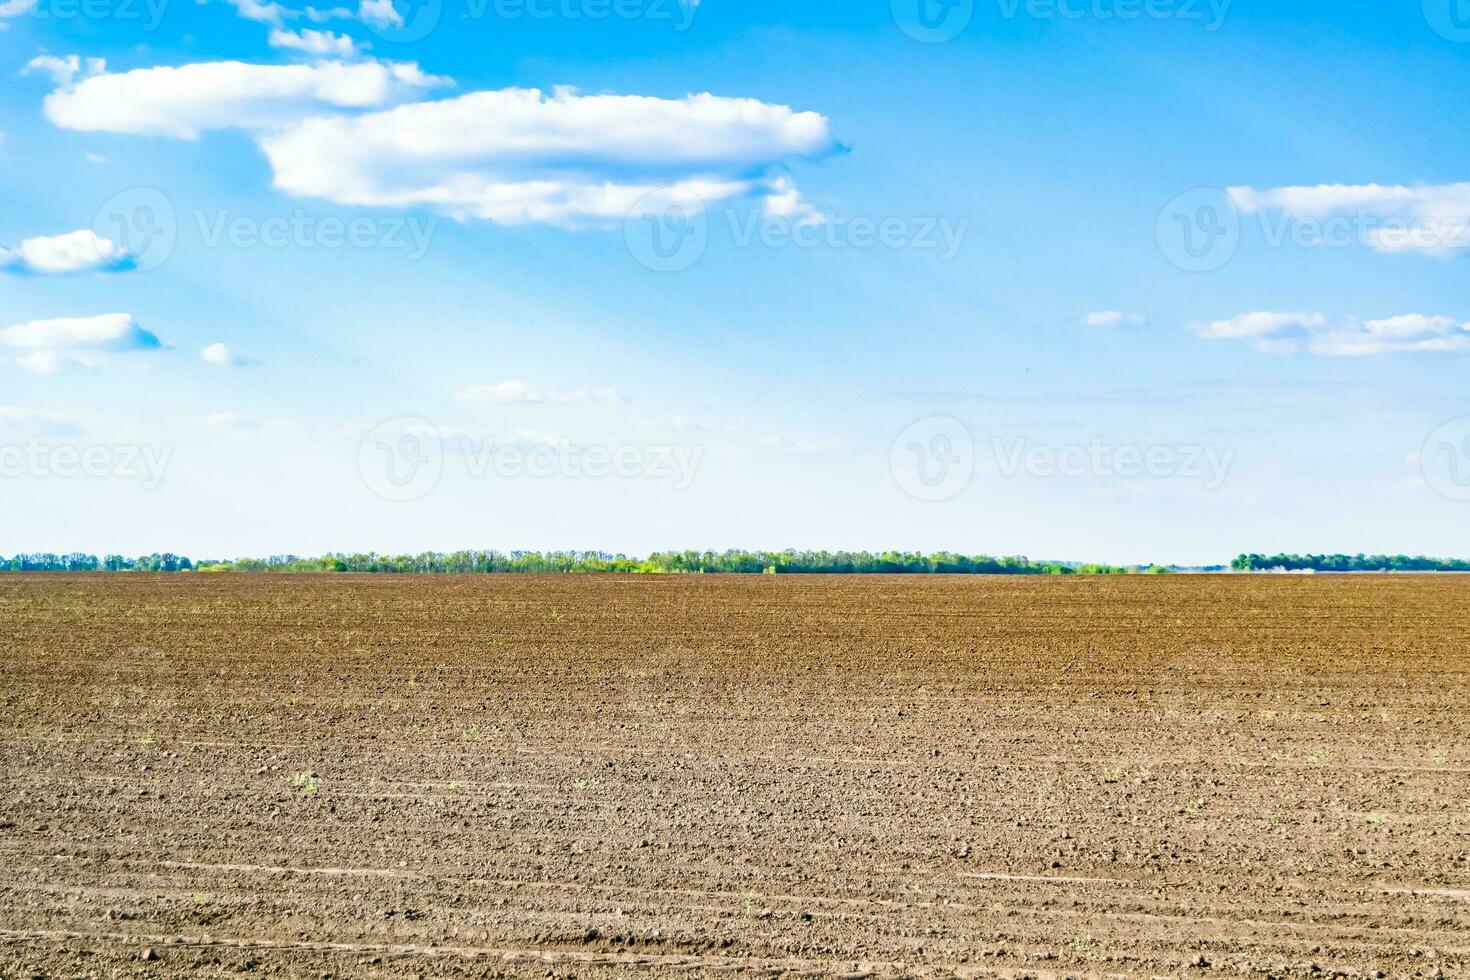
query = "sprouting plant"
{"x": 581, "y": 784}
{"x": 455, "y": 787}
{"x": 1319, "y": 757}
{"x": 1376, "y": 818}
{"x": 305, "y": 783}
{"x": 146, "y": 738}
{"x": 470, "y": 734}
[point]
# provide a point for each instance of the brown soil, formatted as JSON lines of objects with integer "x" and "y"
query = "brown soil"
{"x": 606, "y": 777}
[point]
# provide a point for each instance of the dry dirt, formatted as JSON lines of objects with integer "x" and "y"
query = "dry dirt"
{"x": 610, "y": 777}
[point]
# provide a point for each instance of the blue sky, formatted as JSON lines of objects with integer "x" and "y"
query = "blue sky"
{"x": 819, "y": 282}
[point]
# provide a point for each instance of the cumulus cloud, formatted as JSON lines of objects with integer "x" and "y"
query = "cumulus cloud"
{"x": 1431, "y": 219}
{"x": 64, "y": 71}
{"x": 521, "y": 393}
{"x": 14, "y": 8}
{"x": 78, "y": 251}
{"x": 1114, "y": 318}
{"x": 379, "y": 13}
{"x": 274, "y": 14}
{"x": 520, "y": 155}
{"x": 220, "y": 355}
{"x": 185, "y": 101}
{"x": 1315, "y": 333}
{"x": 69, "y": 343}
{"x": 785, "y": 201}
{"x": 340, "y": 132}
{"x": 319, "y": 44}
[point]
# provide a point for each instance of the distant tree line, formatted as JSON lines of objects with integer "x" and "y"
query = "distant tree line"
{"x": 1348, "y": 563}
{"x": 509, "y": 562}
{"x": 78, "y": 562}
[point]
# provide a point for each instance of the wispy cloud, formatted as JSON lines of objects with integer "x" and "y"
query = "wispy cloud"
{"x": 1113, "y": 318}
{"x": 1315, "y": 333}
{"x": 1431, "y": 219}
{"x": 186, "y": 101}
{"x": 319, "y": 44}
{"x": 70, "y": 343}
{"x": 521, "y": 393}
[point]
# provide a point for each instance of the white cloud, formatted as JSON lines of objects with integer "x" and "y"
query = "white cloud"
{"x": 64, "y": 71}
{"x": 274, "y": 14}
{"x": 220, "y": 355}
{"x": 521, "y": 393}
{"x": 1285, "y": 333}
{"x": 77, "y": 251}
{"x": 785, "y": 201}
{"x": 259, "y": 12}
{"x": 14, "y": 8}
{"x": 1432, "y": 219}
{"x": 1114, "y": 318}
{"x": 1261, "y": 325}
{"x": 379, "y": 13}
{"x": 321, "y": 44}
{"x": 519, "y": 155}
{"x": 182, "y": 102}
{"x": 110, "y": 331}
{"x": 48, "y": 362}
{"x": 510, "y": 156}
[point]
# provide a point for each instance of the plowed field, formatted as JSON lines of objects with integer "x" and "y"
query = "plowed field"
{"x": 610, "y": 777}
